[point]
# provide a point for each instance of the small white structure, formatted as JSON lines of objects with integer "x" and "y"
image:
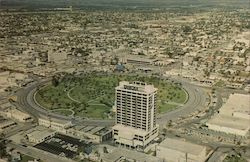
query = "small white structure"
{"x": 57, "y": 125}
{"x": 174, "y": 150}
{"x": 234, "y": 116}
{"x": 40, "y": 136}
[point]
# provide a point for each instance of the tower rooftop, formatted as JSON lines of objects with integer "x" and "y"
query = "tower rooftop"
{"x": 136, "y": 86}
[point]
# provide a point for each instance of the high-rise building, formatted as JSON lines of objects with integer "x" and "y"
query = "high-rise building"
{"x": 135, "y": 114}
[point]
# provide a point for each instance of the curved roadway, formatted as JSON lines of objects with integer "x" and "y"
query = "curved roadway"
{"x": 196, "y": 101}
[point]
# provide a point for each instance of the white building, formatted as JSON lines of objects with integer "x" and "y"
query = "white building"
{"x": 233, "y": 117}
{"x": 57, "y": 125}
{"x": 174, "y": 150}
{"x": 135, "y": 114}
{"x": 40, "y": 136}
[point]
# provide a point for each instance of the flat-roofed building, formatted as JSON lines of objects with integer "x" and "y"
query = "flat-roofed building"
{"x": 40, "y": 136}
{"x": 57, "y": 125}
{"x": 176, "y": 150}
{"x": 93, "y": 133}
{"x": 17, "y": 115}
{"x": 233, "y": 117}
{"x": 122, "y": 155}
{"x": 57, "y": 56}
{"x": 139, "y": 60}
{"x": 135, "y": 114}
{"x": 4, "y": 124}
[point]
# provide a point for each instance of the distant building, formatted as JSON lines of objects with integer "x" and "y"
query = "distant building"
{"x": 176, "y": 150}
{"x": 135, "y": 114}
{"x": 57, "y": 56}
{"x": 120, "y": 68}
{"x": 233, "y": 117}
{"x": 140, "y": 60}
{"x": 5, "y": 80}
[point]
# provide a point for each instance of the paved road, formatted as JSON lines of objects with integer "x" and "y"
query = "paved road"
{"x": 219, "y": 155}
{"x": 196, "y": 101}
{"x": 18, "y": 128}
{"x": 27, "y": 103}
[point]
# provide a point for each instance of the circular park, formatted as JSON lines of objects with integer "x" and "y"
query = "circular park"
{"x": 93, "y": 95}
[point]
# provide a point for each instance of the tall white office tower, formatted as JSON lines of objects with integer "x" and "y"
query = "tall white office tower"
{"x": 135, "y": 114}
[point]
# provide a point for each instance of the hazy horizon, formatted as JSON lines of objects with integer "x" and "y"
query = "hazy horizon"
{"x": 122, "y": 3}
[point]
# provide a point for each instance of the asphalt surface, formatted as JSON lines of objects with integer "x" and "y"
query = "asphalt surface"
{"x": 196, "y": 101}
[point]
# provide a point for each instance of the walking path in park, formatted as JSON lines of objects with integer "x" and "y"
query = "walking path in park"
{"x": 71, "y": 97}
{"x": 174, "y": 103}
{"x": 89, "y": 102}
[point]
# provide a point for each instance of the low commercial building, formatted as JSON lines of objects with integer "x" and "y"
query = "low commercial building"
{"x": 57, "y": 56}
{"x": 57, "y": 125}
{"x": 17, "y": 115}
{"x": 40, "y": 136}
{"x": 139, "y": 60}
{"x": 93, "y": 133}
{"x": 132, "y": 137}
{"x": 121, "y": 155}
{"x": 164, "y": 62}
{"x": 176, "y": 150}
{"x": 6, "y": 124}
{"x": 233, "y": 117}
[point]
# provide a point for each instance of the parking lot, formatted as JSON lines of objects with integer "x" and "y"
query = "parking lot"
{"x": 63, "y": 146}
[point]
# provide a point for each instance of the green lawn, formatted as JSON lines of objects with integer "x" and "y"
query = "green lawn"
{"x": 26, "y": 158}
{"x": 93, "y": 89}
{"x": 165, "y": 108}
{"x": 97, "y": 111}
{"x": 62, "y": 112}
